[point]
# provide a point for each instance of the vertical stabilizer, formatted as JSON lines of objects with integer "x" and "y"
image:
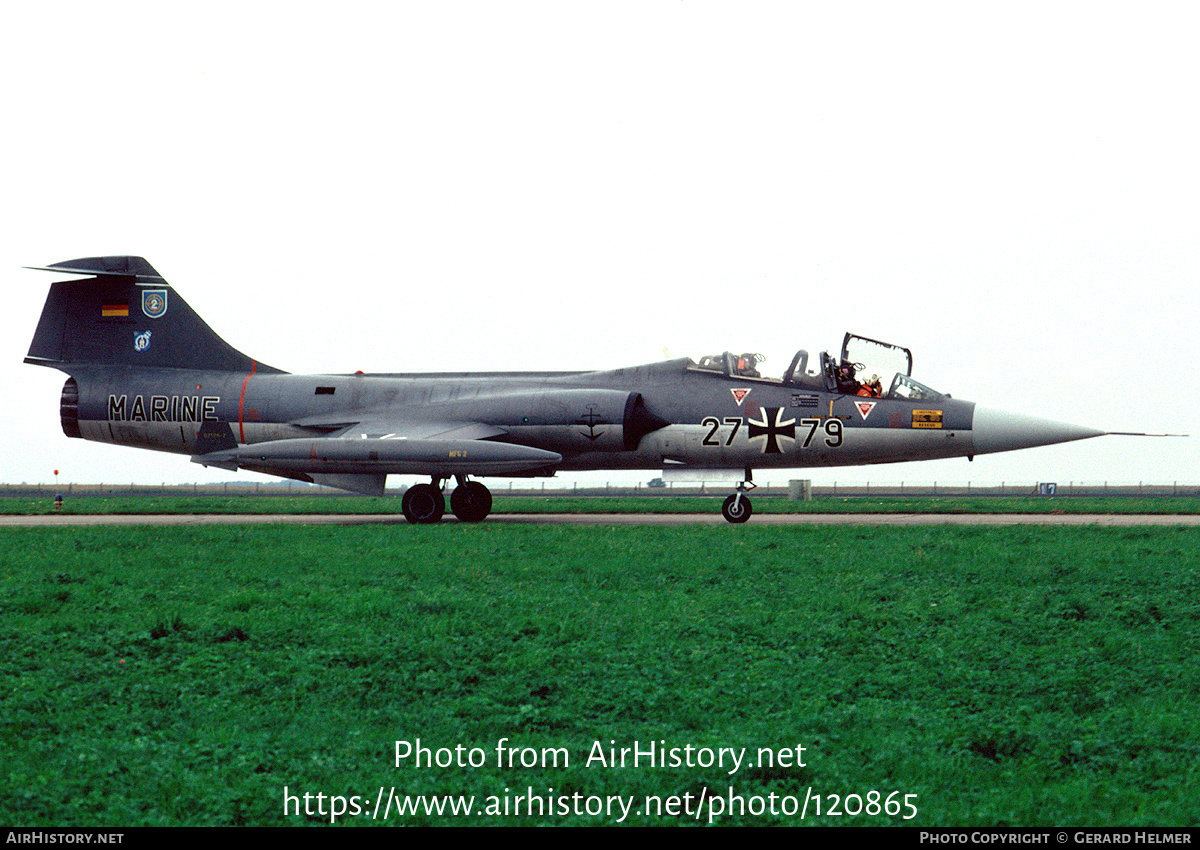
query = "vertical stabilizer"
{"x": 124, "y": 314}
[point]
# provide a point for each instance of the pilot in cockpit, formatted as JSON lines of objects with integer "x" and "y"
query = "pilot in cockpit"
{"x": 872, "y": 388}
{"x": 844, "y": 376}
{"x": 746, "y": 363}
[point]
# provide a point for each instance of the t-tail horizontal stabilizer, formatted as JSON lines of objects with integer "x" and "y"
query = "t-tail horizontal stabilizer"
{"x": 134, "y": 268}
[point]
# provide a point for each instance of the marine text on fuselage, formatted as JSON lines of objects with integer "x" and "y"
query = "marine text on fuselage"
{"x": 163, "y": 408}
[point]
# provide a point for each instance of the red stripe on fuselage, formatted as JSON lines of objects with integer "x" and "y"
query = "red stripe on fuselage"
{"x": 242, "y": 401}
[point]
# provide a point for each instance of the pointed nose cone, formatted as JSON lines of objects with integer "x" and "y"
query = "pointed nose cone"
{"x": 997, "y": 431}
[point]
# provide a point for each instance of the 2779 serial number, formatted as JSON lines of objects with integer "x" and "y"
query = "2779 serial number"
{"x": 832, "y": 427}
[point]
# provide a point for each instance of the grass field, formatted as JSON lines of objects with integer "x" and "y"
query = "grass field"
{"x": 603, "y": 504}
{"x": 1003, "y": 676}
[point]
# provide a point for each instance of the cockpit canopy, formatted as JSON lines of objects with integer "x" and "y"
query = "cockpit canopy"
{"x": 863, "y": 368}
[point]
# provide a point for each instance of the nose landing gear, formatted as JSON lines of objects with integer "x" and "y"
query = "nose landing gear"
{"x": 737, "y": 508}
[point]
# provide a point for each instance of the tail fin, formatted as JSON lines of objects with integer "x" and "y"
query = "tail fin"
{"x": 125, "y": 314}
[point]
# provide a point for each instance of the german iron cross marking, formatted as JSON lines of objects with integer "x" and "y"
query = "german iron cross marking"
{"x": 773, "y": 426}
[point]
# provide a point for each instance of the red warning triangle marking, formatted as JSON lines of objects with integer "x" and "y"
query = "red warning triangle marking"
{"x": 864, "y": 408}
{"x": 739, "y": 394}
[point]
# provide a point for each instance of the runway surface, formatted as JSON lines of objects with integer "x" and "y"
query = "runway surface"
{"x": 1115, "y": 520}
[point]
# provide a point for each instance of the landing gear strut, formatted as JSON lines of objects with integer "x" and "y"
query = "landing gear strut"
{"x": 737, "y": 508}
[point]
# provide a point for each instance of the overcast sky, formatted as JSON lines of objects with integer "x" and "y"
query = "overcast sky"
{"x": 1010, "y": 190}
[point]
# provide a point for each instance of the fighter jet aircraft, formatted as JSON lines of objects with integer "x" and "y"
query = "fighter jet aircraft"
{"x": 146, "y": 371}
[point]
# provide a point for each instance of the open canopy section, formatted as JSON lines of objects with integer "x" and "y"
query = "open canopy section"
{"x": 877, "y": 369}
{"x": 866, "y": 367}
{"x": 882, "y": 358}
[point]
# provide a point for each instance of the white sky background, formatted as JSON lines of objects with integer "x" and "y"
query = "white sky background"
{"x": 1010, "y": 190}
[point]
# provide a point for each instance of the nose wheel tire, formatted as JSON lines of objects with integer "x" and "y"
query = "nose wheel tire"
{"x": 423, "y": 504}
{"x": 471, "y": 502}
{"x": 737, "y": 508}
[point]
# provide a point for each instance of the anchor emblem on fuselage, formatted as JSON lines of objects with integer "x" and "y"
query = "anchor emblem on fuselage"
{"x": 591, "y": 418}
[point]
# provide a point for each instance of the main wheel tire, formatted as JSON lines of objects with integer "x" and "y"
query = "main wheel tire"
{"x": 423, "y": 504}
{"x": 471, "y": 502}
{"x": 737, "y": 510}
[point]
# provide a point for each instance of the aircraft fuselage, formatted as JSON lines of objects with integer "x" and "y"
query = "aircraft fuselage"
{"x": 712, "y": 420}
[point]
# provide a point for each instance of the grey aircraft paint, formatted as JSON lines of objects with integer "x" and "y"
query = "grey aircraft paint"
{"x": 146, "y": 371}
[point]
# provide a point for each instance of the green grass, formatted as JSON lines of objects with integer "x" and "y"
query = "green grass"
{"x": 1005, "y": 676}
{"x": 600, "y": 504}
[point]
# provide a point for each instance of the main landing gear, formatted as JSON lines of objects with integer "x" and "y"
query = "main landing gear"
{"x": 737, "y": 508}
{"x": 424, "y": 504}
{"x": 470, "y": 501}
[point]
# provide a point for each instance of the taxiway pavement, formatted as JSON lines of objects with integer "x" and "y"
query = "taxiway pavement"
{"x": 1114, "y": 520}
